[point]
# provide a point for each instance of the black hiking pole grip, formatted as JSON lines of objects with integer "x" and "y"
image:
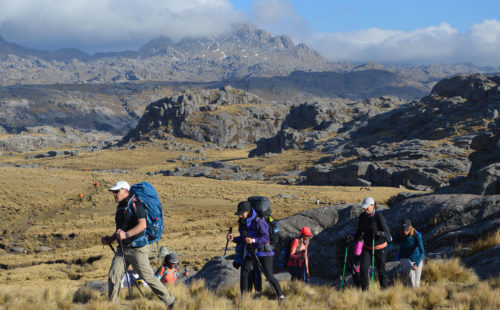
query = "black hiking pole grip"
{"x": 256, "y": 258}
{"x": 227, "y": 241}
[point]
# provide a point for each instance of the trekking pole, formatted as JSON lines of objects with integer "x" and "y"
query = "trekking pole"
{"x": 224, "y": 256}
{"x": 127, "y": 273}
{"x": 126, "y": 269}
{"x": 373, "y": 261}
{"x": 252, "y": 251}
{"x": 186, "y": 275}
{"x": 304, "y": 276}
{"x": 343, "y": 272}
{"x": 227, "y": 241}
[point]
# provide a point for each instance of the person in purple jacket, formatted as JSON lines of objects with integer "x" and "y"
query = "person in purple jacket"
{"x": 254, "y": 232}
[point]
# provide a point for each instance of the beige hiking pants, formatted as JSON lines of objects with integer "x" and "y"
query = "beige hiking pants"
{"x": 139, "y": 259}
{"x": 412, "y": 276}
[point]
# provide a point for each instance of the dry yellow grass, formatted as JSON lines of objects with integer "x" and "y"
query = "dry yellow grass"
{"x": 483, "y": 244}
{"x": 449, "y": 270}
{"x": 438, "y": 295}
{"x": 40, "y": 206}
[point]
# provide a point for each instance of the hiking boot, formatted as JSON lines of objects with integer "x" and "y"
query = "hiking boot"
{"x": 171, "y": 306}
{"x": 257, "y": 295}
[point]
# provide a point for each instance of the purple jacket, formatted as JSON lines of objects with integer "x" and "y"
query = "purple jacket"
{"x": 258, "y": 229}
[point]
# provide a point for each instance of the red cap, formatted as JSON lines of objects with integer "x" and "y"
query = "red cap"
{"x": 306, "y": 231}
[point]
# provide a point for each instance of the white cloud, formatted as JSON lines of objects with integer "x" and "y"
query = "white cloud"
{"x": 111, "y": 24}
{"x": 434, "y": 44}
{"x": 279, "y": 17}
{"x": 104, "y": 25}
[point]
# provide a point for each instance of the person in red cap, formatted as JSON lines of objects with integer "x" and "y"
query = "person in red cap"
{"x": 298, "y": 263}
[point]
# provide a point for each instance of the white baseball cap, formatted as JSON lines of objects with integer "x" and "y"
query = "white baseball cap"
{"x": 367, "y": 202}
{"x": 119, "y": 185}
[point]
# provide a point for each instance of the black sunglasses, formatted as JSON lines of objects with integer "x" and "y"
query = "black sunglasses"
{"x": 116, "y": 192}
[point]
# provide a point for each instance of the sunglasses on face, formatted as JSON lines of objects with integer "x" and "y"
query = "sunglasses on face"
{"x": 116, "y": 192}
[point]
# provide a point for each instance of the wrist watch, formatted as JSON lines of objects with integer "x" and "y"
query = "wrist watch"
{"x": 127, "y": 235}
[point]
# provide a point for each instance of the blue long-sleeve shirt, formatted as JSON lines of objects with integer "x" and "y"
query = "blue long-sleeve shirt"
{"x": 411, "y": 247}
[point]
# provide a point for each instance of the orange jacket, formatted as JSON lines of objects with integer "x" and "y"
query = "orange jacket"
{"x": 168, "y": 276}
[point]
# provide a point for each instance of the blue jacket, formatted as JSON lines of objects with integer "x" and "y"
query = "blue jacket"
{"x": 411, "y": 247}
{"x": 258, "y": 229}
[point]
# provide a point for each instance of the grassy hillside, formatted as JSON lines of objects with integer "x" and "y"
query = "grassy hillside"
{"x": 41, "y": 205}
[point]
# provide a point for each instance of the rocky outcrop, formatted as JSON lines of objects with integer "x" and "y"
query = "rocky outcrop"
{"x": 420, "y": 145}
{"x": 112, "y": 109}
{"x": 213, "y": 170}
{"x": 227, "y": 117}
{"x": 308, "y": 123}
{"x": 484, "y": 174}
{"x": 34, "y": 138}
{"x": 416, "y": 174}
{"x": 444, "y": 221}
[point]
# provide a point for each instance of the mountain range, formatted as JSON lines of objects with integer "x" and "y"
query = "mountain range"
{"x": 245, "y": 52}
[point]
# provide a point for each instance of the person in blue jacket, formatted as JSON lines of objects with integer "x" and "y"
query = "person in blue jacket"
{"x": 411, "y": 253}
{"x": 254, "y": 232}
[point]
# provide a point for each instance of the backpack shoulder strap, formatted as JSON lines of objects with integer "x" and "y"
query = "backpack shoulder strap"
{"x": 131, "y": 204}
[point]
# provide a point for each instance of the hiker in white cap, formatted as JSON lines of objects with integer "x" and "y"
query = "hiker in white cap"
{"x": 130, "y": 229}
{"x": 372, "y": 227}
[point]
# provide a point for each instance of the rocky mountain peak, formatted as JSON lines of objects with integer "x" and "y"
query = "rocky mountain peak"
{"x": 156, "y": 47}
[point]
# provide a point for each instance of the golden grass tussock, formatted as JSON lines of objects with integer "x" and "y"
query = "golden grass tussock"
{"x": 85, "y": 294}
{"x": 429, "y": 297}
{"x": 494, "y": 282}
{"x": 26, "y": 298}
{"x": 450, "y": 270}
{"x": 482, "y": 244}
{"x": 442, "y": 294}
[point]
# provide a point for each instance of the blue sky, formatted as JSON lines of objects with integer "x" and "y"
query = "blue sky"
{"x": 351, "y": 15}
{"x": 385, "y": 31}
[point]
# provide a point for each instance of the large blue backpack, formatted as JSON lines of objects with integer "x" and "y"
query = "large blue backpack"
{"x": 145, "y": 193}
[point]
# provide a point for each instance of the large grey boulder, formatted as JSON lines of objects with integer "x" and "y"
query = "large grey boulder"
{"x": 218, "y": 273}
{"x": 321, "y": 221}
{"x": 444, "y": 221}
{"x": 485, "y": 263}
{"x": 94, "y": 287}
{"x": 410, "y": 175}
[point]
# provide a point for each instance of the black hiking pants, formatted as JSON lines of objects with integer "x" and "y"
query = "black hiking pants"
{"x": 247, "y": 274}
{"x": 366, "y": 262}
